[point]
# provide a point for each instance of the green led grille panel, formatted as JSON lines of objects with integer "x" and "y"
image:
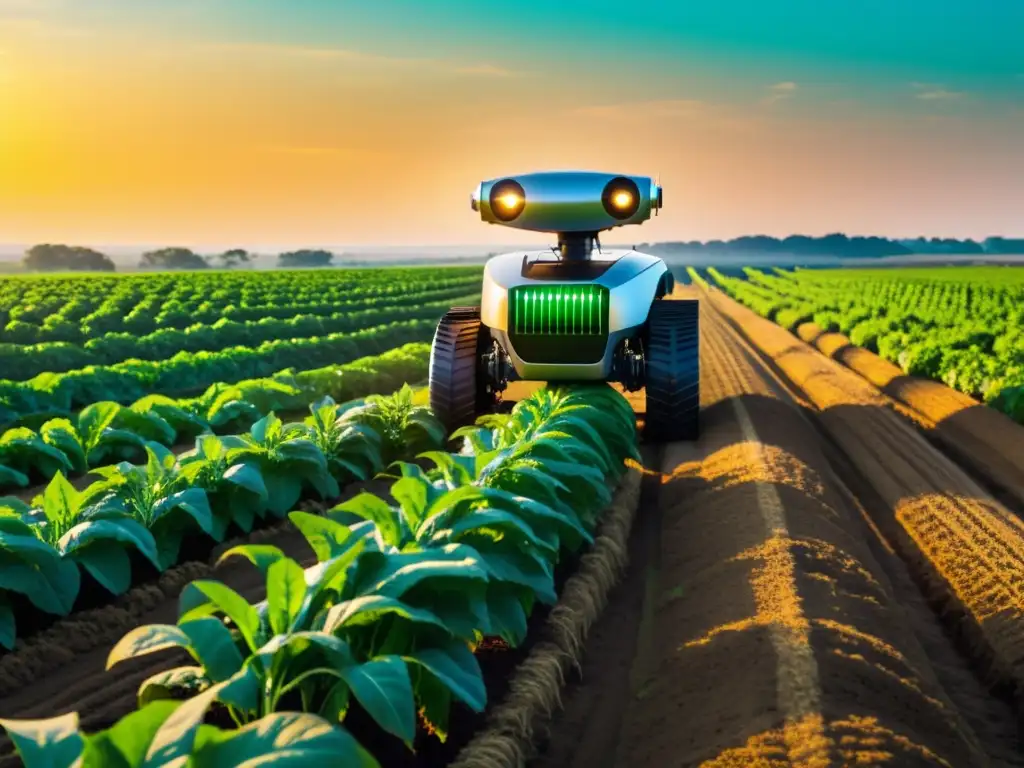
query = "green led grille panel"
{"x": 558, "y": 310}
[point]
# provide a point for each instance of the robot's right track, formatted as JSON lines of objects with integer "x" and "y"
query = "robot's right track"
{"x": 672, "y": 353}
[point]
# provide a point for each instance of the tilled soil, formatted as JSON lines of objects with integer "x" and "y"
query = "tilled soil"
{"x": 778, "y": 625}
{"x": 982, "y": 440}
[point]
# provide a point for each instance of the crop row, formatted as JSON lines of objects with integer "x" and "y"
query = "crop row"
{"x": 961, "y": 326}
{"x": 224, "y": 482}
{"x": 403, "y": 592}
{"x": 22, "y": 362}
{"x": 106, "y": 432}
{"x": 188, "y": 373}
{"x": 78, "y": 308}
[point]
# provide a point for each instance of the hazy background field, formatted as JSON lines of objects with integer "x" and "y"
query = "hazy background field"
{"x": 126, "y": 258}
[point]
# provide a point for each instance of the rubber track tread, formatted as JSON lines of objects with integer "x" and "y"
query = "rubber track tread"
{"x": 454, "y": 390}
{"x": 673, "y": 371}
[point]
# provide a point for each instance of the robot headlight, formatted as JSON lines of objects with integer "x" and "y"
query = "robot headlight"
{"x": 507, "y": 199}
{"x": 567, "y": 201}
{"x": 621, "y": 198}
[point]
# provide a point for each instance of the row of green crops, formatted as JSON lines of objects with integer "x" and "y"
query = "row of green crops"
{"x": 192, "y": 373}
{"x": 77, "y": 308}
{"x": 21, "y": 362}
{"x": 105, "y": 432}
{"x": 223, "y": 482}
{"x": 963, "y": 326}
{"x": 388, "y": 618}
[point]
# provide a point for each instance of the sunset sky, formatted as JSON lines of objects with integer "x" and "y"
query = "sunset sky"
{"x": 318, "y": 122}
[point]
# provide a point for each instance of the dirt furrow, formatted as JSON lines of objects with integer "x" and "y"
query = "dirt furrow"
{"x": 981, "y": 439}
{"x": 775, "y": 636}
{"x": 963, "y": 545}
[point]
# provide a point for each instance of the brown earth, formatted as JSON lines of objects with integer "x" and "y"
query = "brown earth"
{"x": 769, "y": 621}
{"x": 986, "y": 442}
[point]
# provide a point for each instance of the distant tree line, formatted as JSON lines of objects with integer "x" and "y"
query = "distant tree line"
{"x": 62, "y": 258}
{"x": 68, "y": 258}
{"x": 841, "y": 246}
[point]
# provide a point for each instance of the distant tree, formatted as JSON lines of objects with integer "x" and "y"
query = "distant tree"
{"x": 173, "y": 258}
{"x": 50, "y": 258}
{"x": 305, "y": 258}
{"x": 1003, "y": 245}
{"x": 233, "y": 257}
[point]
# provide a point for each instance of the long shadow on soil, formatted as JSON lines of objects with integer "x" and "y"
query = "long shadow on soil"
{"x": 711, "y": 683}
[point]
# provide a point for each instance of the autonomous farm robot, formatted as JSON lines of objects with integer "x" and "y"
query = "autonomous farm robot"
{"x": 572, "y": 313}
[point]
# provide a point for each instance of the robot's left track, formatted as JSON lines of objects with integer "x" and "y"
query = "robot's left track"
{"x": 458, "y": 391}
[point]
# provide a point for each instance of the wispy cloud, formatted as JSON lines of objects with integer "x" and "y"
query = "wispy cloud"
{"x": 935, "y": 92}
{"x": 780, "y": 91}
{"x": 315, "y": 53}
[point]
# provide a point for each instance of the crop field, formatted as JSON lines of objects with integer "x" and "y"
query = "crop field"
{"x": 963, "y": 326}
{"x": 234, "y": 534}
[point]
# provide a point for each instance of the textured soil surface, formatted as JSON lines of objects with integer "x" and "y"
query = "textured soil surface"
{"x": 814, "y": 583}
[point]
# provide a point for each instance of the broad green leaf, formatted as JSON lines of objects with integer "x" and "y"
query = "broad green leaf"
{"x": 147, "y": 639}
{"x": 287, "y": 739}
{"x": 283, "y": 491}
{"x": 261, "y": 555}
{"x": 125, "y": 744}
{"x": 286, "y": 590}
{"x": 508, "y": 619}
{"x": 11, "y": 477}
{"x": 247, "y": 476}
{"x": 225, "y": 600}
{"x": 172, "y": 743}
{"x": 367, "y": 609}
{"x": 54, "y": 742}
{"x": 171, "y": 684}
{"x": 326, "y": 537}
{"x": 13, "y": 505}
{"x": 211, "y": 644}
{"x": 193, "y": 501}
{"x": 457, "y": 667}
{"x": 123, "y": 530}
{"x": 370, "y": 507}
{"x": 383, "y": 688}
{"x": 50, "y": 583}
{"x": 413, "y": 495}
{"x": 107, "y": 562}
{"x": 404, "y": 570}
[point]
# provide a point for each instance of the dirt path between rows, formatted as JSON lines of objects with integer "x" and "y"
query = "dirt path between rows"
{"x": 776, "y": 628}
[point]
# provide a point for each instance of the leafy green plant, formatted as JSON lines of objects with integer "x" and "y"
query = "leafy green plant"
{"x": 236, "y": 492}
{"x": 401, "y": 592}
{"x": 352, "y": 449}
{"x": 92, "y": 530}
{"x": 404, "y": 426}
{"x": 288, "y": 459}
{"x": 22, "y": 452}
{"x": 171, "y": 733}
{"x": 31, "y": 567}
{"x": 159, "y": 497}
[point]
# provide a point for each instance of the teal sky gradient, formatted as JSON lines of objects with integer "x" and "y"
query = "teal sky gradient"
{"x": 897, "y": 117}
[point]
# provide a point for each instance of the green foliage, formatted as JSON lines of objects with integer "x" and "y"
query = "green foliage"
{"x": 958, "y": 325}
{"x": 107, "y": 431}
{"x": 150, "y": 508}
{"x": 401, "y": 594}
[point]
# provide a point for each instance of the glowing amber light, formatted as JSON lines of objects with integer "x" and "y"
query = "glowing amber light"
{"x": 511, "y": 200}
{"x": 622, "y": 199}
